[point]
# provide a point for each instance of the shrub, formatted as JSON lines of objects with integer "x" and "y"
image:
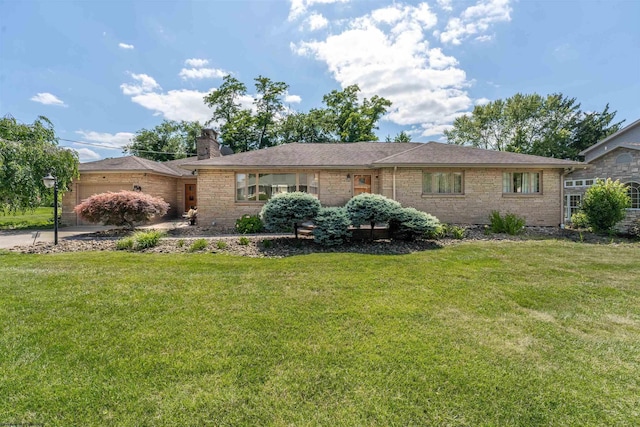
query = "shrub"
{"x": 249, "y": 224}
{"x": 579, "y": 220}
{"x": 458, "y": 232}
{"x": 370, "y": 209}
{"x": 244, "y": 241}
{"x": 410, "y": 224}
{"x": 198, "y": 245}
{"x": 285, "y": 211}
{"x": 180, "y": 243}
{"x": 438, "y": 233}
{"x": 510, "y": 223}
{"x": 266, "y": 243}
{"x": 332, "y": 226}
{"x": 124, "y": 208}
{"x": 147, "y": 239}
{"x": 634, "y": 229}
{"x": 125, "y": 244}
{"x": 221, "y": 244}
{"x": 604, "y": 204}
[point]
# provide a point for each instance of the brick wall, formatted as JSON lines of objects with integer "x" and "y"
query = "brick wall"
{"x": 482, "y": 190}
{"x": 93, "y": 183}
{"x": 482, "y": 194}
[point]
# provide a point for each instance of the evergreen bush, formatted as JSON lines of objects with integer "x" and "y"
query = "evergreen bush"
{"x": 411, "y": 224}
{"x": 286, "y": 211}
{"x": 511, "y": 223}
{"x": 332, "y": 226}
{"x": 371, "y": 209}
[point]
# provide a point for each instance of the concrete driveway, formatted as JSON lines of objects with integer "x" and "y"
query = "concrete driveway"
{"x": 11, "y": 238}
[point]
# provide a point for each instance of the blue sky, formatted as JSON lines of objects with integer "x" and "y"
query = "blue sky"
{"x": 101, "y": 70}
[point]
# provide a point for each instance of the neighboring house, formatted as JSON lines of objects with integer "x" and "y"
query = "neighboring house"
{"x": 616, "y": 157}
{"x": 177, "y": 186}
{"x": 457, "y": 184}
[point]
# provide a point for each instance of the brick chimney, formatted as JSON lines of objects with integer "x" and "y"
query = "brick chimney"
{"x": 207, "y": 145}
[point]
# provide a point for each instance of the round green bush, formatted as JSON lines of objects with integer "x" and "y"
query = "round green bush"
{"x": 332, "y": 226}
{"x": 370, "y": 209}
{"x": 605, "y": 204}
{"x": 286, "y": 210}
{"x": 410, "y": 224}
{"x": 249, "y": 224}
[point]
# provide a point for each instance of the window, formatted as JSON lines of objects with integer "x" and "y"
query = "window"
{"x": 624, "y": 158}
{"x": 442, "y": 183}
{"x": 634, "y": 194}
{"x": 573, "y": 205}
{"x": 262, "y": 186}
{"x": 521, "y": 182}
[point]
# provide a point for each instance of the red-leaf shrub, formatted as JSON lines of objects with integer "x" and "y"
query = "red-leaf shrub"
{"x": 122, "y": 208}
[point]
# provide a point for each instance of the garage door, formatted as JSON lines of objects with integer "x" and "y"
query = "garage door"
{"x": 89, "y": 190}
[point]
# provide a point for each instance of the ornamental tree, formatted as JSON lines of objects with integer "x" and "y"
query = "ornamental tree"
{"x": 124, "y": 208}
{"x": 410, "y": 224}
{"x": 286, "y": 211}
{"x": 332, "y": 226}
{"x": 370, "y": 209}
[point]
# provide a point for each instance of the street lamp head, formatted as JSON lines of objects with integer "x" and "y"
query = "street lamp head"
{"x": 49, "y": 181}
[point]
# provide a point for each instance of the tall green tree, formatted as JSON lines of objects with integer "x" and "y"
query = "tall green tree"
{"x": 311, "y": 127}
{"x": 170, "y": 140}
{"x": 401, "y": 137}
{"x": 551, "y": 126}
{"x": 351, "y": 120}
{"x": 269, "y": 108}
{"x": 28, "y": 152}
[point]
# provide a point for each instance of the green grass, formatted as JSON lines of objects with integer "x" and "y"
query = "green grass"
{"x": 40, "y": 218}
{"x": 477, "y": 334}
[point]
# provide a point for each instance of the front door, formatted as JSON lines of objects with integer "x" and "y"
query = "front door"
{"x": 190, "y": 198}
{"x": 361, "y": 184}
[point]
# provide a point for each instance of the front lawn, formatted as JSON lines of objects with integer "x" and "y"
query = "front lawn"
{"x": 40, "y": 218}
{"x": 481, "y": 333}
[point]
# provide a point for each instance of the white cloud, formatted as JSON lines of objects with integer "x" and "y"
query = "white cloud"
{"x": 180, "y": 104}
{"x": 125, "y": 46}
{"x": 292, "y": 99}
{"x": 445, "y": 5}
{"x": 474, "y": 20}
{"x": 196, "y": 63}
{"x": 482, "y": 101}
{"x": 87, "y": 155}
{"x": 202, "y": 73}
{"x": 387, "y": 53}
{"x": 316, "y": 22}
{"x": 48, "y": 99}
{"x": 299, "y": 7}
{"x": 144, "y": 84}
{"x": 117, "y": 140}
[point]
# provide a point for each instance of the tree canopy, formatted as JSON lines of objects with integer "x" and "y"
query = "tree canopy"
{"x": 170, "y": 140}
{"x": 343, "y": 119}
{"x": 551, "y": 126}
{"x": 28, "y": 152}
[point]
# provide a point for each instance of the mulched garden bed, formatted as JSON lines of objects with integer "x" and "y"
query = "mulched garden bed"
{"x": 179, "y": 240}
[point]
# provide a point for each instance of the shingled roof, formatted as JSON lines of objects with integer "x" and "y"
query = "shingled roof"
{"x": 375, "y": 154}
{"x": 132, "y": 164}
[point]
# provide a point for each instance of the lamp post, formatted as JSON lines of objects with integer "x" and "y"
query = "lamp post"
{"x": 52, "y": 181}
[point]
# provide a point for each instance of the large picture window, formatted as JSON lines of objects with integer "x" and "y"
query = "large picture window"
{"x": 521, "y": 182}
{"x": 442, "y": 183}
{"x": 261, "y": 186}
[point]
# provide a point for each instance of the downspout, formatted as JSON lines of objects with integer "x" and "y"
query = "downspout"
{"x": 395, "y": 168}
{"x": 562, "y": 207}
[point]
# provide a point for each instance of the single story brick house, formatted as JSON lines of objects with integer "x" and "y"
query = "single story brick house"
{"x": 616, "y": 157}
{"x": 456, "y": 184}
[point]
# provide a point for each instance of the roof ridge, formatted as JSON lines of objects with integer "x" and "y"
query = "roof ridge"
{"x": 421, "y": 144}
{"x": 610, "y": 137}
